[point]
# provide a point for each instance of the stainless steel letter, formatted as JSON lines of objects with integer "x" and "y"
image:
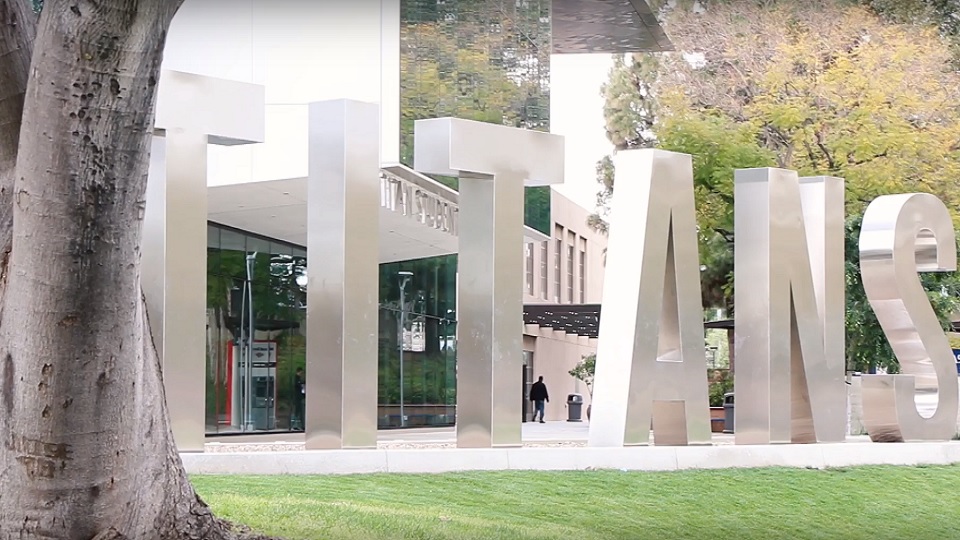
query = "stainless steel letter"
{"x": 824, "y": 213}
{"x": 789, "y": 345}
{"x": 493, "y": 163}
{"x": 343, "y": 202}
{"x": 192, "y": 111}
{"x": 900, "y": 236}
{"x": 650, "y": 353}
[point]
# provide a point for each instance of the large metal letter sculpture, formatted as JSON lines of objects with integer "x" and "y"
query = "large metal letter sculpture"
{"x": 650, "y": 355}
{"x": 192, "y": 111}
{"x": 900, "y": 236}
{"x": 789, "y": 316}
{"x": 342, "y": 271}
{"x": 493, "y": 163}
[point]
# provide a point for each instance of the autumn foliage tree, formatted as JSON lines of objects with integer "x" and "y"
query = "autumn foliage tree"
{"x": 86, "y": 447}
{"x": 825, "y": 87}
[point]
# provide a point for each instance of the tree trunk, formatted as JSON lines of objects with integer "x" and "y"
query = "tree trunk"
{"x": 87, "y": 450}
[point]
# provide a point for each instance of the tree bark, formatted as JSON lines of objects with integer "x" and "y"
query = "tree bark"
{"x": 18, "y": 29}
{"x": 87, "y": 451}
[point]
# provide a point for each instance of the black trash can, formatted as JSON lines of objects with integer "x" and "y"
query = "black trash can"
{"x": 728, "y": 412}
{"x": 574, "y": 406}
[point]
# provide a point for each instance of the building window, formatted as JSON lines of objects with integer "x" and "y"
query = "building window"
{"x": 557, "y": 276}
{"x": 570, "y": 260}
{"x": 528, "y": 253}
{"x": 583, "y": 260}
{"x": 544, "y": 257}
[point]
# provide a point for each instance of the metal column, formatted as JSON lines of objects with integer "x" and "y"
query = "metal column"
{"x": 343, "y": 205}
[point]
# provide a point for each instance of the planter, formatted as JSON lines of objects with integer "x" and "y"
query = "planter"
{"x": 717, "y": 419}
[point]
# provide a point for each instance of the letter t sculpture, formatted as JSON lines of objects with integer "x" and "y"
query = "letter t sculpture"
{"x": 494, "y": 163}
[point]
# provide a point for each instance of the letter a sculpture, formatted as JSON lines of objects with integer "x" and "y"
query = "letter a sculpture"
{"x": 651, "y": 361}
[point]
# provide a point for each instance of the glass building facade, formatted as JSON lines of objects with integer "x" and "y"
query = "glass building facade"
{"x": 249, "y": 275}
{"x": 419, "y": 329}
{"x": 485, "y": 60}
{"x": 257, "y": 283}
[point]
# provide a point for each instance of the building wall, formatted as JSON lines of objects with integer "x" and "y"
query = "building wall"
{"x": 554, "y": 355}
{"x": 305, "y": 52}
{"x": 483, "y": 60}
{"x": 299, "y": 51}
{"x": 570, "y": 229}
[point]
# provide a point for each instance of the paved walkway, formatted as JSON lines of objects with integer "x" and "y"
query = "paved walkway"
{"x": 532, "y": 432}
{"x": 550, "y": 446}
{"x": 550, "y": 434}
{"x": 535, "y": 435}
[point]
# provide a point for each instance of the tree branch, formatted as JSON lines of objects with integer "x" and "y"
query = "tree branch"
{"x": 855, "y": 162}
{"x": 831, "y": 164}
{"x": 726, "y": 234}
{"x": 810, "y": 155}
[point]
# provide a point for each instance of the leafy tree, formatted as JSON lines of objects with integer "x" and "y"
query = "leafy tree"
{"x": 631, "y": 107}
{"x": 585, "y": 370}
{"x": 719, "y": 383}
{"x": 87, "y": 451}
{"x": 719, "y": 380}
{"x": 605, "y": 176}
{"x": 825, "y": 87}
{"x": 629, "y": 113}
{"x": 943, "y": 14}
{"x": 718, "y": 145}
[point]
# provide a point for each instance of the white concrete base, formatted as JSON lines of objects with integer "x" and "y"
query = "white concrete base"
{"x": 650, "y": 458}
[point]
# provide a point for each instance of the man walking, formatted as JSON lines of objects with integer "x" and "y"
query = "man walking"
{"x": 539, "y": 395}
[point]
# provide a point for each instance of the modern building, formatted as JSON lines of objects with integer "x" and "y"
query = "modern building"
{"x": 485, "y": 60}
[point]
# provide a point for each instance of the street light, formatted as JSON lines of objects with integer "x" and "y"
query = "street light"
{"x": 247, "y": 336}
{"x": 404, "y": 277}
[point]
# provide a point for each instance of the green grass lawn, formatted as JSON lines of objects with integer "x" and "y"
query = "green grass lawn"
{"x": 868, "y": 503}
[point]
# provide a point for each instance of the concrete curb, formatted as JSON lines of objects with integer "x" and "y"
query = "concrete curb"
{"x": 643, "y": 458}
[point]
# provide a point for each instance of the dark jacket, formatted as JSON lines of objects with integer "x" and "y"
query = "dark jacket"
{"x": 538, "y": 392}
{"x": 298, "y": 389}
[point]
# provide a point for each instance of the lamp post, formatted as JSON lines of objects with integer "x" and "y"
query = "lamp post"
{"x": 248, "y": 420}
{"x": 404, "y": 279}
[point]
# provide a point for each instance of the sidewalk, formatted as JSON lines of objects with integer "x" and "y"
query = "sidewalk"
{"x": 535, "y": 435}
